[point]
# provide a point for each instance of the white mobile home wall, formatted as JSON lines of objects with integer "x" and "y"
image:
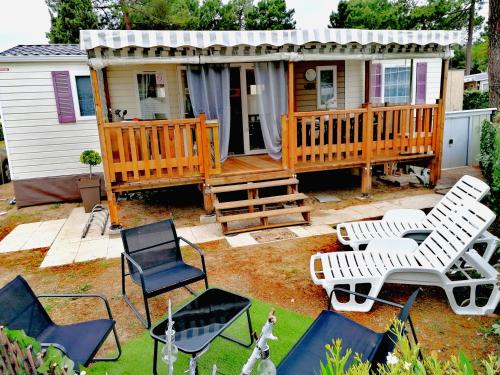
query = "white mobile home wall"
{"x": 38, "y": 146}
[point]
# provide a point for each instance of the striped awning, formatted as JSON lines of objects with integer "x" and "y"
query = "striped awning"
{"x": 116, "y": 39}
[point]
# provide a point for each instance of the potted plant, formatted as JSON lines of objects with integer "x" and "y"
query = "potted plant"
{"x": 90, "y": 188}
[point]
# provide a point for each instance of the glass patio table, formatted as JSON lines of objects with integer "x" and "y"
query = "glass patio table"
{"x": 202, "y": 320}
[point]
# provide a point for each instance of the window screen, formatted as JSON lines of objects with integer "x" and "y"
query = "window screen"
{"x": 85, "y": 97}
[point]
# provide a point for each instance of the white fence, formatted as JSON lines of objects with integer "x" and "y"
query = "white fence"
{"x": 462, "y": 131}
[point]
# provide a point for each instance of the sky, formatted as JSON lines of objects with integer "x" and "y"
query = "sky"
{"x": 27, "y": 21}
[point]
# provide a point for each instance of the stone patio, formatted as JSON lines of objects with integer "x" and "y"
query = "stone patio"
{"x": 63, "y": 237}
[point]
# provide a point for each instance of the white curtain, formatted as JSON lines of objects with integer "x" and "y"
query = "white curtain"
{"x": 209, "y": 93}
{"x": 271, "y": 82}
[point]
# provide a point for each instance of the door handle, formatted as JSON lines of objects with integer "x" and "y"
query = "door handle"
{"x": 450, "y": 141}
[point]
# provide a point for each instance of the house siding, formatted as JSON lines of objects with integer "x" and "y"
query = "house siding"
{"x": 123, "y": 90}
{"x": 38, "y": 145}
{"x": 305, "y": 98}
{"x": 354, "y": 83}
{"x": 433, "y": 76}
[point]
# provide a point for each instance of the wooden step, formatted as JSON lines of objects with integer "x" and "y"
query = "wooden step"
{"x": 260, "y": 201}
{"x": 268, "y": 213}
{"x": 248, "y": 177}
{"x": 253, "y": 185}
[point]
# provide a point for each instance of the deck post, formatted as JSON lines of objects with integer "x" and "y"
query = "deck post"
{"x": 208, "y": 204}
{"x": 366, "y": 171}
{"x": 112, "y": 205}
{"x": 285, "y": 141}
{"x": 291, "y": 110}
{"x": 436, "y": 162}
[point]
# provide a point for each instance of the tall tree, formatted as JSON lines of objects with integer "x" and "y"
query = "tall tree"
{"x": 214, "y": 15}
{"x": 270, "y": 15}
{"x": 359, "y": 14}
{"x": 68, "y": 17}
{"x": 402, "y": 14}
{"x": 160, "y": 14}
{"x": 494, "y": 53}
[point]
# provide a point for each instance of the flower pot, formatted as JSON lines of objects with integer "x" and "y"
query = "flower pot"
{"x": 90, "y": 190}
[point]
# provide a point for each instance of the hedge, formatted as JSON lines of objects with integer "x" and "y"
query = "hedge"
{"x": 475, "y": 99}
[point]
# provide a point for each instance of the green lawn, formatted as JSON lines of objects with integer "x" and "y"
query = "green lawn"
{"x": 137, "y": 355}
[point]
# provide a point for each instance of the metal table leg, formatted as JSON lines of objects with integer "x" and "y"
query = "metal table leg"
{"x": 245, "y": 344}
{"x": 155, "y": 357}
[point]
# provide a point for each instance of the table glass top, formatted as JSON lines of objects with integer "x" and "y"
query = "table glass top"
{"x": 200, "y": 321}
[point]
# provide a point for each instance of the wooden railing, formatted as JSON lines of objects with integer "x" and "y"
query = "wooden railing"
{"x": 364, "y": 135}
{"x": 144, "y": 150}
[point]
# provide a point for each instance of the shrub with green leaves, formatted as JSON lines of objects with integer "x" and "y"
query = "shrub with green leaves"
{"x": 475, "y": 99}
{"x": 405, "y": 359}
{"x": 91, "y": 158}
{"x": 46, "y": 361}
{"x": 489, "y": 161}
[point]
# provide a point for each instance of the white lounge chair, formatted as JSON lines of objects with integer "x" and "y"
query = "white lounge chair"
{"x": 432, "y": 262}
{"x": 416, "y": 224}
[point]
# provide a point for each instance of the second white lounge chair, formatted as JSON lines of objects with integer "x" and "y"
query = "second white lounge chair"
{"x": 414, "y": 223}
{"x": 431, "y": 263}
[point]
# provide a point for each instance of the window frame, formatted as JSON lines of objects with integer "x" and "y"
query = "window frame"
{"x": 319, "y": 69}
{"x": 410, "y": 82}
{"x": 136, "y": 86}
{"x": 74, "y": 90}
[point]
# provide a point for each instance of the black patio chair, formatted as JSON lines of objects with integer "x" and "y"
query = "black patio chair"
{"x": 309, "y": 351}
{"x": 21, "y": 309}
{"x": 155, "y": 263}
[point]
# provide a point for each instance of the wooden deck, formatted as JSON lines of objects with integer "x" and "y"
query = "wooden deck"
{"x": 159, "y": 153}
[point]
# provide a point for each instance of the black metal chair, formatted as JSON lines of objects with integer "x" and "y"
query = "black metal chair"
{"x": 155, "y": 263}
{"x": 309, "y": 351}
{"x": 21, "y": 309}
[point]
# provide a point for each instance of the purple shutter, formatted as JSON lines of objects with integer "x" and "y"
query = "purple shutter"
{"x": 64, "y": 97}
{"x": 376, "y": 83}
{"x": 421, "y": 83}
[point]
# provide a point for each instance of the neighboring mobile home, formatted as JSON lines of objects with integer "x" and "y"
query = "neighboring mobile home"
{"x": 477, "y": 81}
{"x": 48, "y": 118}
{"x": 279, "y": 103}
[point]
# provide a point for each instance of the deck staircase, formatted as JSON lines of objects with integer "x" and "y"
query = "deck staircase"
{"x": 260, "y": 204}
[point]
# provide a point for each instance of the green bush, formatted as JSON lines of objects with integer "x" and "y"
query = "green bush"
{"x": 91, "y": 158}
{"x": 489, "y": 161}
{"x": 48, "y": 361}
{"x": 405, "y": 359}
{"x": 475, "y": 99}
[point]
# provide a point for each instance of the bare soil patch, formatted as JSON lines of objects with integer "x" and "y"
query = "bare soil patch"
{"x": 277, "y": 273}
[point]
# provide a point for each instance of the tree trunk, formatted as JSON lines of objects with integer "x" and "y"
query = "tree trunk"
{"x": 126, "y": 18}
{"x": 494, "y": 54}
{"x": 470, "y": 36}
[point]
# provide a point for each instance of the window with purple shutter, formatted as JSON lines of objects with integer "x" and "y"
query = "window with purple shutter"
{"x": 421, "y": 82}
{"x": 376, "y": 83}
{"x": 64, "y": 98}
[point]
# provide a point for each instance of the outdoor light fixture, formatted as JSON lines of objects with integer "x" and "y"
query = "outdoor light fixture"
{"x": 261, "y": 351}
{"x": 170, "y": 350}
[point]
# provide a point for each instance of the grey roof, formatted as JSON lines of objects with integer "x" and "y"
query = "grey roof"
{"x": 476, "y": 77}
{"x": 43, "y": 50}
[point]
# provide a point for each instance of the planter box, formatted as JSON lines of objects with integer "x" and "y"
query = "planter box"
{"x": 90, "y": 190}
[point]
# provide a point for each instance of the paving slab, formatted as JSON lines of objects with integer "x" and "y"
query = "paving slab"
{"x": 45, "y": 235}
{"x": 92, "y": 249}
{"x": 115, "y": 247}
{"x": 60, "y": 254}
{"x": 207, "y": 232}
{"x": 242, "y": 239}
{"x": 31, "y": 236}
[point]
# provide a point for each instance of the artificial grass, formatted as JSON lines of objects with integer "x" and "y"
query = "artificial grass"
{"x": 137, "y": 354}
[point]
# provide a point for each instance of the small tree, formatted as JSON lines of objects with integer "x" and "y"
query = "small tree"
{"x": 91, "y": 158}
